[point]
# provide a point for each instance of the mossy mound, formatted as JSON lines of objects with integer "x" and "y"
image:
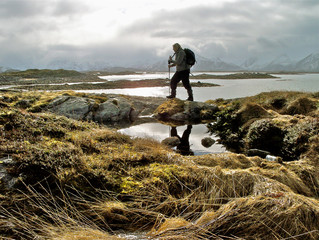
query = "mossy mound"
{"x": 278, "y": 122}
{"x": 178, "y": 111}
{"x": 301, "y": 105}
{"x": 77, "y": 178}
{"x": 169, "y": 108}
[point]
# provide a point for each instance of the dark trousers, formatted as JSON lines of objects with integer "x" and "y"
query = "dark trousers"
{"x": 177, "y": 77}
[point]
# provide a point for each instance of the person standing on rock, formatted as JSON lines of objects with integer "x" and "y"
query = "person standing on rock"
{"x": 182, "y": 72}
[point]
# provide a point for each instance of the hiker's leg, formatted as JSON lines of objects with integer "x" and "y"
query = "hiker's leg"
{"x": 174, "y": 132}
{"x": 187, "y": 85}
{"x": 174, "y": 81}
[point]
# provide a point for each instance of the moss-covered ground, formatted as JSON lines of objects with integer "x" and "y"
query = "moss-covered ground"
{"x": 80, "y": 180}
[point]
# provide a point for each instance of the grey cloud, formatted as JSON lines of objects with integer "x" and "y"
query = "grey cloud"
{"x": 304, "y": 3}
{"x": 63, "y": 48}
{"x": 20, "y": 8}
{"x": 264, "y": 25}
{"x": 232, "y": 30}
{"x": 267, "y": 43}
{"x": 67, "y": 7}
{"x": 11, "y": 9}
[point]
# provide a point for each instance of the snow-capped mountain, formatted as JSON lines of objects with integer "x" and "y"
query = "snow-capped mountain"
{"x": 280, "y": 63}
{"x": 253, "y": 64}
{"x": 216, "y": 64}
{"x": 308, "y": 64}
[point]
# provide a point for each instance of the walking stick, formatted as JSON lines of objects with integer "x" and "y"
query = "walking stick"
{"x": 169, "y": 78}
{"x": 169, "y": 72}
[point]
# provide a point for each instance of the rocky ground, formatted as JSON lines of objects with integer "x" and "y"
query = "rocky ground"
{"x": 66, "y": 176}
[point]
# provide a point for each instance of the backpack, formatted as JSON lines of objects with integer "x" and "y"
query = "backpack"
{"x": 190, "y": 57}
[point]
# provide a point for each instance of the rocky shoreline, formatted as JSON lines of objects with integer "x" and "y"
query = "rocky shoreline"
{"x": 63, "y": 174}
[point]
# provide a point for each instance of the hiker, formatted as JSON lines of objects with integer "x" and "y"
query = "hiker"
{"x": 182, "y": 72}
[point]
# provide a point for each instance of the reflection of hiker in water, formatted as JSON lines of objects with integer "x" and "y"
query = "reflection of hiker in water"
{"x": 184, "y": 146}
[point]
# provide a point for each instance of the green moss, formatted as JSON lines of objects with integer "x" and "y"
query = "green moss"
{"x": 129, "y": 185}
{"x": 170, "y": 107}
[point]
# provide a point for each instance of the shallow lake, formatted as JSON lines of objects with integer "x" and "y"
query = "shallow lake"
{"x": 228, "y": 89}
{"x": 233, "y": 88}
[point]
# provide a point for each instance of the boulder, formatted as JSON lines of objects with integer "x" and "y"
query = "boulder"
{"x": 171, "y": 141}
{"x": 207, "y": 142}
{"x": 114, "y": 110}
{"x": 73, "y": 107}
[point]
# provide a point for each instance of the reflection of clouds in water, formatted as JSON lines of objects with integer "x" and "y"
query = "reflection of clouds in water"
{"x": 156, "y": 131}
{"x": 159, "y": 132}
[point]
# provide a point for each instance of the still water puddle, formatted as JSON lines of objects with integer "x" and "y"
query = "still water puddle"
{"x": 190, "y": 136}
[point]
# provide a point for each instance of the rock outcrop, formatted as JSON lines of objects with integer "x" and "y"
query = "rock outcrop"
{"x": 119, "y": 109}
{"x": 77, "y": 108}
{"x": 115, "y": 109}
{"x": 176, "y": 110}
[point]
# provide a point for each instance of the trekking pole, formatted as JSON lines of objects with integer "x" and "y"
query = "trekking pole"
{"x": 169, "y": 78}
{"x": 169, "y": 72}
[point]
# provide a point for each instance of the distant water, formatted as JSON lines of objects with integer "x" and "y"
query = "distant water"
{"x": 228, "y": 89}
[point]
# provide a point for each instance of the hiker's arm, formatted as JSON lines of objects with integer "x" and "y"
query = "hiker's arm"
{"x": 171, "y": 62}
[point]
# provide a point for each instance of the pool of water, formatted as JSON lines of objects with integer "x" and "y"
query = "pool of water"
{"x": 191, "y": 137}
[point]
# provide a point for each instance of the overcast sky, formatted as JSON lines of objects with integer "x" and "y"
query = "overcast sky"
{"x": 37, "y": 33}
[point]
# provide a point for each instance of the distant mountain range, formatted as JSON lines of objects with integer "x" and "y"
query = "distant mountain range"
{"x": 280, "y": 64}
{"x": 285, "y": 64}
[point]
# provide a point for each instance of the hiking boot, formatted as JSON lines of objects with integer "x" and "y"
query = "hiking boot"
{"x": 190, "y": 98}
{"x": 190, "y": 95}
{"x": 172, "y": 94}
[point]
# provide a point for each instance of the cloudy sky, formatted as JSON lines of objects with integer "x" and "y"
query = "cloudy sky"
{"x": 48, "y": 33}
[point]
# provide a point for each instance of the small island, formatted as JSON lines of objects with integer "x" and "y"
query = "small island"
{"x": 245, "y": 75}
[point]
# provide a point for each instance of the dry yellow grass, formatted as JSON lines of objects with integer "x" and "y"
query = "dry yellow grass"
{"x": 280, "y": 216}
{"x": 95, "y": 180}
{"x": 81, "y": 234}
